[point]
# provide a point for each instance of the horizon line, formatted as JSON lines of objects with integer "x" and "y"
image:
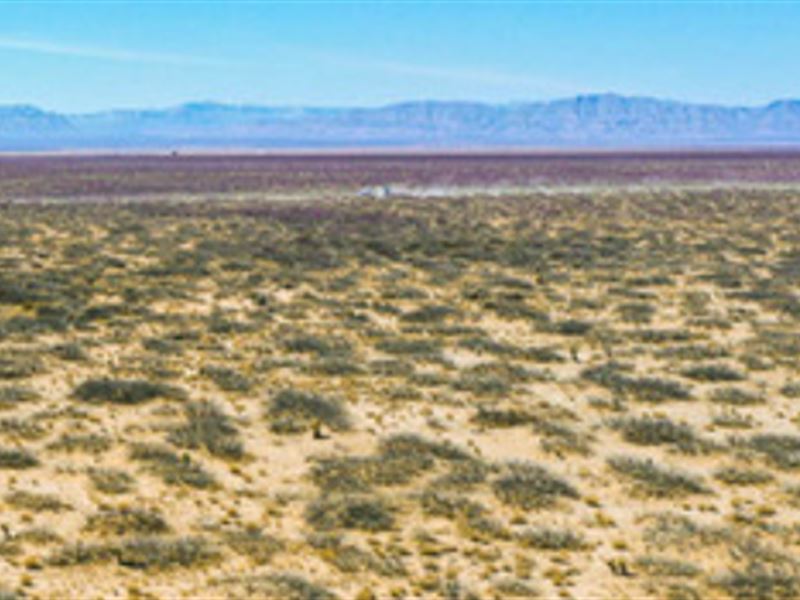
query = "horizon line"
{"x": 390, "y": 104}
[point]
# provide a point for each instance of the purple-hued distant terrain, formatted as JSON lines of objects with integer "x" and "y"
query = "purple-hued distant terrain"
{"x": 25, "y": 176}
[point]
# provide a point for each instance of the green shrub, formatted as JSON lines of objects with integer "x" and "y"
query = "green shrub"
{"x": 549, "y": 538}
{"x": 783, "y": 450}
{"x": 292, "y": 411}
{"x": 654, "y": 480}
{"x": 500, "y": 418}
{"x": 658, "y": 566}
{"x": 649, "y": 431}
{"x": 227, "y": 379}
{"x": 208, "y": 427}
{"x": 734, "y": 396}
{"x": 531, "y": 486}
{"x": 18, "y": 365}
{"x": 111, "y": 481}
{"x": 713, "y": 373}
{"x": 35, "y": 502}
{"x": 174, "y": 469}
{"x": 757, "y": 582}
{"x": 367, "y": 513}
{"x": 125, "y": 392}
{"x": 742, "y": 476}
{"x": 322, "y": 347}
{"x": 158, "y": 553}
{"x": 126, "y": 521}
{"x": 428, "y": 314}
{"x": 16, "y": 458}
{"x": 11, "y": 396}
{"x": 253, "y": 543}
{"x": 92, "y": 443}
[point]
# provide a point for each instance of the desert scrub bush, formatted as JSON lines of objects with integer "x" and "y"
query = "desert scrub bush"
{"x": 660, "y": 336}
{"x": 18, "y": 365}
{"x": 363, "y": 512}
{"x": 413, "y": 445}
{"x": 570, "y": 327}
{"x": 12, "y": 396}
{"x": 419, "y": 348}
{"x": 654, "y": 431}
{"x": 17, "y": 458}
{"x": 390, "y": 368}
{"x": 335, "y": 367}
{"x": 636, "y": 312}
{"x": 173, "y": 469}
{"x": 740, "y": 476}
{"x": 473, "y": 519}
{"x": 25, "y": 429}
{"x": 653, "y": 480}
{"x": 791, "y": 390}
{"x": 159, "y": 553}
{"x": 227, "y": 379}
{"x": 431, "y": 313}
{"x": 349, "y": 558}
{"x": 287, "y": 586}
{"x": 693, "y": 352}
{"x": 669, "y": 529}
{"x": 126, "y": 520}
{"x": 615, "y": 378}
{"x": 732, "y": 419}
{"x": 660, "y": 566}
{"x": 70, "y": 352}
{"x": 482, "y": 385}
{"x": 713, "y": 373}
{"x": 783, "y": 450}
{"x": 464, "y": 474}
{"x": 361, "y": 473}
{"x": 111, "y": 481}
{"x": 735, "y": 396}
{"x": 165, "y": 347}
{"x": 508, "y": 587}
{"x": 208, "y": 427}
{"x": 292, "y": 411}
{"x": 81, "y": 553}
{"x": 760, "y": 582}
{"x": 559, "y": 438}
{"x": 551, "y": 538}
{"x": 125, "y": 392}
{"x": 36, "y": 502}
{"x": 531, "y": 486}
{"x": 502, "y": 418}
{"x": 91, "y": 443}
{"x": 253, "y": 543}
{"x": 400, "y": 459}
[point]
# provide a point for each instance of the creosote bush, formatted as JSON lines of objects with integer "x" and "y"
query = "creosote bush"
{"x": 292, "y": 411}
{"x": 531, "y": 486}
{"x": 367, "y": 513}
{"x": 173, "y": 468}
{"x": 208, "y": 427}
{"x": 655, "y": 480}
{"x": 125, "y": 392}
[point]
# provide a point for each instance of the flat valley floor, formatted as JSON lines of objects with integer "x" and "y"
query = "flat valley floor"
{"x": 240, "y": 377}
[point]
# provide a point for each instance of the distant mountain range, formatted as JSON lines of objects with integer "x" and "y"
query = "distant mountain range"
{"x": 603, "y": 120}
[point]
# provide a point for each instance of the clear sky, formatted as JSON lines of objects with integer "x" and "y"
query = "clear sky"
{"x": 82, "y": 56}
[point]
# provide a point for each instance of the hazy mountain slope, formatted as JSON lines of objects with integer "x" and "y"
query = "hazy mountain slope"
{"x": 597, "y": 120}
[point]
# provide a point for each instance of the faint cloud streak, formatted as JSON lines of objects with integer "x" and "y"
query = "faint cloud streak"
{"x": 479, "y": 76}
{"x": 101, "y": 53}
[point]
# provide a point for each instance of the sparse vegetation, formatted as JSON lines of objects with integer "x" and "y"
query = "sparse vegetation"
{"x": 220, "y": 395}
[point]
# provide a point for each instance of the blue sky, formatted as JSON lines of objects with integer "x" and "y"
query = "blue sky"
{"x": 83, "y": 56}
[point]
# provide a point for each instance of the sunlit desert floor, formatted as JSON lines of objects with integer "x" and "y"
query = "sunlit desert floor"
{"x": 581, "y": 394}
